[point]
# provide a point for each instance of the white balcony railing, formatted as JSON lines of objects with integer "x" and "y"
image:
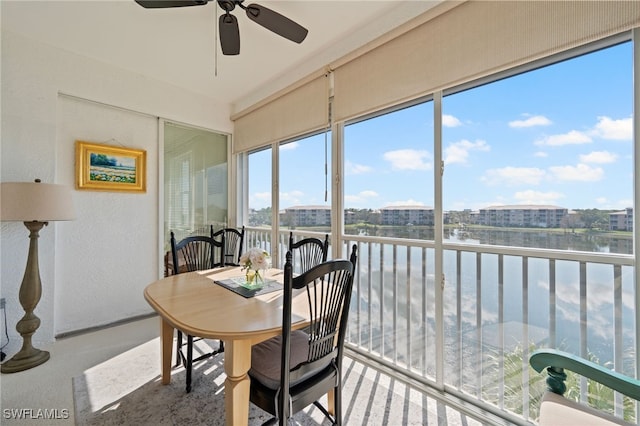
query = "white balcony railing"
{"x": 498, "y": 303}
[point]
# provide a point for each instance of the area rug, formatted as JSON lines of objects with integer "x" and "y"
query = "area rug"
{"x": 126, "y": 390}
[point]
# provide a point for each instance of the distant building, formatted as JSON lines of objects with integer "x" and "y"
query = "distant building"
{"x": 525, "y": 216}
{"x": 306, "y": 216}
{"x": 406, "y": 215}
{"x": 474, "y": 217}
{"x": 622, "y": 220}
{"x": 573, "y": 220}
{"x": 350, "y": 218}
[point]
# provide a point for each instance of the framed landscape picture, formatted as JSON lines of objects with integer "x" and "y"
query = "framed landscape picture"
{"x": 110, "y": 168}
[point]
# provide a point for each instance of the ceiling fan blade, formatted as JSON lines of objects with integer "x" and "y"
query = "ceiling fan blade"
{"x": 229, "y": 34}
{"x": 158, "y": 4}
{"x": 277, "y": 23}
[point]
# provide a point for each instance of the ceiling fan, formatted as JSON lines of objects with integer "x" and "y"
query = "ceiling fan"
{"x": 229, "y": 33}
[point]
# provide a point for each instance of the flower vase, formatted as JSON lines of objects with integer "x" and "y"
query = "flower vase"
{"x": 254, "y": 279}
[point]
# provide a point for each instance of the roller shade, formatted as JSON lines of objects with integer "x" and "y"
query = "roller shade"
{"x": 296, "y": 112}
{"x": 472, "y": 40}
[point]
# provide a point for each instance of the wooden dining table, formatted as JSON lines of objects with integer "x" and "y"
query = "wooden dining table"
{"x": 195, "y": 304}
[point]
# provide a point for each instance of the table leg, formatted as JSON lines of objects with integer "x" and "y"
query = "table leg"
{"x": 331, "y": 402}
{"x": 166, "y": 349}
{"x": 237, "y": 361}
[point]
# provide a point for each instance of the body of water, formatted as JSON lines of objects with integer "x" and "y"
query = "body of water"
{"x": 593, "y": 241}
{"x": 481, "y": 313}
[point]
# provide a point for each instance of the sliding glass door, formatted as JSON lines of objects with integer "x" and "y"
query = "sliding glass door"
{"x": 195, "y": 180}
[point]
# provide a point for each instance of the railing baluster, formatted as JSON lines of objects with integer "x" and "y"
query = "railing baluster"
{"x": 478, "y": 349}
{"x": 408, "y": 302}
{"x": 584, "y": 353}
{"x": 458, "y": 348}
{"x": 552, "y": 303}
{"x": 381, "y": 296}
{"x": 361, "y": 300}
{"x": 370, "y": 294}
{"x": 525, "y": 336}
{"x": 425, "y": 324}
{"x": 501, "y": 330}
{"x": 394, "y": 298}
{"x": 617, "y": 336}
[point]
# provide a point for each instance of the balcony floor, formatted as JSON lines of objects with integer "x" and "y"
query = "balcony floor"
{"x": 370, "y": 397}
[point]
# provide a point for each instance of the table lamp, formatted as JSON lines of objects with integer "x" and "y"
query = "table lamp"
{"x": 35, "y": 204}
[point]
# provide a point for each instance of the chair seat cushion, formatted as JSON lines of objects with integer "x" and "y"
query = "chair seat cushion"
{"x": 557, "y": 410}
{"x": 266, "y": 356}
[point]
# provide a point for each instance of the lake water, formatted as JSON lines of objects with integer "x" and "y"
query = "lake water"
{"x": 477, "y": 315}
{"x": 603, "y": 242}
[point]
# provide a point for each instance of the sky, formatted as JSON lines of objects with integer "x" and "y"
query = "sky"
{"x": 559, "y": 135}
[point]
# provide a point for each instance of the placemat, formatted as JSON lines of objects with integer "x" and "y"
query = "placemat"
{"x": 235, "y": 284}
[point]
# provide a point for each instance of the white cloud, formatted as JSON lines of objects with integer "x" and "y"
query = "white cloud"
{"x": 538, "y": 197}
{"x": 512, "y": 176}
{"x": 541, "y": 154}
{"x": 534, "y": 120}
{"x": 408, "y": 159}
{"x": 260, "y": 200}
{"x": 289, "y": 146}
{"x": 409, "y": 202}
{"x": 356, "y": 169}
{"x": 608, "y": 128}
{"x": 573, "y": 137}
{"x": 368, "y": 194}
{"x": 361, "y": 197}
{"x": 624, "y": 203}
{"x": 607, "y": 204}
{"x": 581, "y": 172}
{"x": 450, "y": 121}
{"x": 458, "y": 152}
{"x": 263, "y": 196}
{"x": 291, "y": 198}
{"x": 600, "y": 157}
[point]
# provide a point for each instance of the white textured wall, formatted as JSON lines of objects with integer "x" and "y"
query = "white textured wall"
{"x": 93, "y": 269}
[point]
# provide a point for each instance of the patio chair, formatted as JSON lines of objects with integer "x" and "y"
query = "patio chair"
{"x": 557, "y": 410}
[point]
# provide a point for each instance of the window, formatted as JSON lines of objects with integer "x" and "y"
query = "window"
{"x": 388, "y": 174}
{"x": 543, "y": 159}
{"x": 304, "y": 199}
{"x": 195, "y": 180}
{"x": 260, "y": 188}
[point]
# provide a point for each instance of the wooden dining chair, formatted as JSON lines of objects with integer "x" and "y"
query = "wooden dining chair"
{"x": 295, "y": 369}
{"x": 169, "y": 269}
{"x": 195, "y": 253}
{"x": 308, "y": 252}
{"x": 234, "y": 242}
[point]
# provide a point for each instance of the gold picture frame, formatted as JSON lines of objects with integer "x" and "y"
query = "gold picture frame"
{"x": 110, "y": 168}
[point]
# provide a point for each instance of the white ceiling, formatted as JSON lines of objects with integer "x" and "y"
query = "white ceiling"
{"x": 179, "y": 45}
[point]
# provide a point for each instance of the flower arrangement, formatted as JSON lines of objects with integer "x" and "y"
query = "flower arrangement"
{"x": 253, "y": 260}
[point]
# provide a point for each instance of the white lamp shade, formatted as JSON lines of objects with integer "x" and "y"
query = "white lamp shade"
{"x": 43, "y": 202}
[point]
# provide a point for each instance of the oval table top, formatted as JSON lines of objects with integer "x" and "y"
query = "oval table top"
{"x": 195, "y": 304}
